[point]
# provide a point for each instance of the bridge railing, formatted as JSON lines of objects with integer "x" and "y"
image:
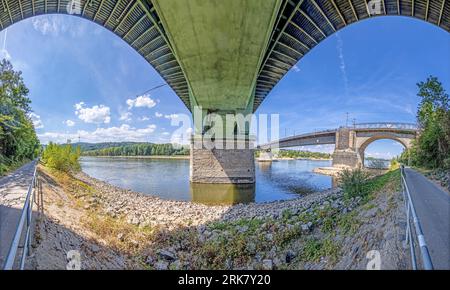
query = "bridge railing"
{"x": 387, "y": 125}
{"x": 24, "y": 225}
{"x": 413, "y": 229}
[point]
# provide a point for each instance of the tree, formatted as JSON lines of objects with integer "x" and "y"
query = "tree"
{"x": 18, "y": 140}
{"x": 432, "y": 148}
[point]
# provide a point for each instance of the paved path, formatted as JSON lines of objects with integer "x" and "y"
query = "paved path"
{"x": 13, "y": 190}
{"x": 433, "y": 209}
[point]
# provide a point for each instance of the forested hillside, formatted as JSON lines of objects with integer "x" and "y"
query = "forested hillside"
{"x": 134, "y": 149}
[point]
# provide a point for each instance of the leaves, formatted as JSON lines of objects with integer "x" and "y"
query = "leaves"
{"x": 18, "y": 140}
{"x": 432, "y": 148}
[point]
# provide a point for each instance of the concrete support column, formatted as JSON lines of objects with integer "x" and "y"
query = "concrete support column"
{"x": 222, "y": 160}
{"x": 265, "y": 156}
{"x": 345, "y": 154}
{"x": 346, "y": 158}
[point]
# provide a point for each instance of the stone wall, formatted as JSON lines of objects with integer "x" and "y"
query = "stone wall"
{"x": 222, "y": 165}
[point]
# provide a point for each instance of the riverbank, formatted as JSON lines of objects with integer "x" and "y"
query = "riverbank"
{"x": 131, "y": 230}
{"x": 176, "y": 157}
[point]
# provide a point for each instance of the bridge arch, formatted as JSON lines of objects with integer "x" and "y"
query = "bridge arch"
{"x": 306, "y": 23}
{"x": 134, "y": 21}
{"x": 406, "y": 142}
{"x": 300, "y": 26}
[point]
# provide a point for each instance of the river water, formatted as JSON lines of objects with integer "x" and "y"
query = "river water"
{"x": 169, "y": 179}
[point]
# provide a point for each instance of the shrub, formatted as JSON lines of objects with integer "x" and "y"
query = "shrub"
{"x": 61, "y": 157}
{"x": 353, "y": 182}
{"x": 394, "y": 164}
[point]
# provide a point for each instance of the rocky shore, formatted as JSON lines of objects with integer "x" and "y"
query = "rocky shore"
{"x": 146, "y": 210}
{"x": 115, "y": 228}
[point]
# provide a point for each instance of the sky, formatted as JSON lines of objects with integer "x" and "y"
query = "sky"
{"x": 87, "y": 84}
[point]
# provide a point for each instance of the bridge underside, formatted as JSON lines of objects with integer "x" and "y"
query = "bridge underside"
{"x": 225, "y": 56}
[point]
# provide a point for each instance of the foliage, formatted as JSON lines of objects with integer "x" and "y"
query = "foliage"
{"x": 303, "y": 154}
{"x": 394, "y": 164}
{"x": 432, "y": 148}
{"x": 61, "y": 157}
{"x": 139, "y": 149}
{"x": 18, "y": 140}
{"x": 357, "y": 183}
{"x": 352, "y": 182}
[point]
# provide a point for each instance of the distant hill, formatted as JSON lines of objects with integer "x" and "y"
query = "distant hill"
{"x": 96, "y": 146}
{"x": 131, "y": 149}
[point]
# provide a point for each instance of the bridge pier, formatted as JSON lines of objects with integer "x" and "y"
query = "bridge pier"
{"x": 346, "y": 158}
{"x": 265, "y": 156}
{"x": 226, "y": 160}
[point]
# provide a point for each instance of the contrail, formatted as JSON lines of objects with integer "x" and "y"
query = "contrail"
{"x": 340, "y": 49}
{"x": 4, "y": 39}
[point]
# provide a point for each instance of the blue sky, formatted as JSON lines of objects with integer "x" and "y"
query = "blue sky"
{"x": 85, "y": 81}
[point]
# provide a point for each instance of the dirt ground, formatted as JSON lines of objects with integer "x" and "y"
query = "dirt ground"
{"x": 59, "y": 231}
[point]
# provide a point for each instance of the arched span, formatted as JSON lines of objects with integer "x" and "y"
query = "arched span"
{"x": 404, "y": 141}
{"x": 135, "y": 21}
{"x": 305, "y": 23}
{"x": 300, "y": 26}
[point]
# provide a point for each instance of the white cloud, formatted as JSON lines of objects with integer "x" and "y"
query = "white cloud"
{"x": 36, "y": 119}
{"x": 69, "y": 123}
{"x": 47, "y": 25}
{"x": 126, "y": 116}
{"x": 296, "y": 68}
{"x": 171, "y": 116}
{"x": 143, "y": 119}
{"x": 158, "y": 115}
{"x": 54, "y": 25}
{"x": 116, "y": 134}
{"x": 141, "y": 102}
{"x": 96, "y": 114}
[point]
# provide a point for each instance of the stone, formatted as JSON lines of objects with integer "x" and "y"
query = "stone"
{"x": 161, "y": 265}
{"x": 267, "y": 264}
{"x": 167, "y": 255}
{"x": 149, "y": 260}
{"x": 290, "y": 255}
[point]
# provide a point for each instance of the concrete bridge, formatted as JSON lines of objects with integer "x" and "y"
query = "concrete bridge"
{"x": 350, "y": 142}
{"x": 226, "y": 56}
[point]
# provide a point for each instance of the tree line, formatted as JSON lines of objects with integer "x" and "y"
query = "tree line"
{"x": 18, "y": 140}
{"x": 140, "y": 149}
{"x": 303, "y": 154}
{"x": 432, "y": 148}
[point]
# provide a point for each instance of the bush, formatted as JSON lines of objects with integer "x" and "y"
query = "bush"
{"x": 61, "y": 157}
{"x": 353, "y": 182}
{"x": 394, "y": 164}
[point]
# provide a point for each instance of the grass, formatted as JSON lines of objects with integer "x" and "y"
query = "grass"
{"x": 8, "y": 167}
{"x": 314, "y": 249}
{"x": 115, "y": 232}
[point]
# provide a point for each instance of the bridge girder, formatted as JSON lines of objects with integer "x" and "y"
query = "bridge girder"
{"x": 303, "y": 24}
{"x": 300, "y": 25}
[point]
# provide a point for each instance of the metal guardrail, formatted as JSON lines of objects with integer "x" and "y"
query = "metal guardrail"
{"x": 24, "y": 224}
{"x": 411, "y": 217}
{"x": 387, "y": 125}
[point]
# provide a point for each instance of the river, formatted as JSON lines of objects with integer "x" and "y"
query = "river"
{"x": 169, "y": 179}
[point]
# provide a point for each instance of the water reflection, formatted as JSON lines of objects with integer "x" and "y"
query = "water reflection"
{"x": 214, "y": 194}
